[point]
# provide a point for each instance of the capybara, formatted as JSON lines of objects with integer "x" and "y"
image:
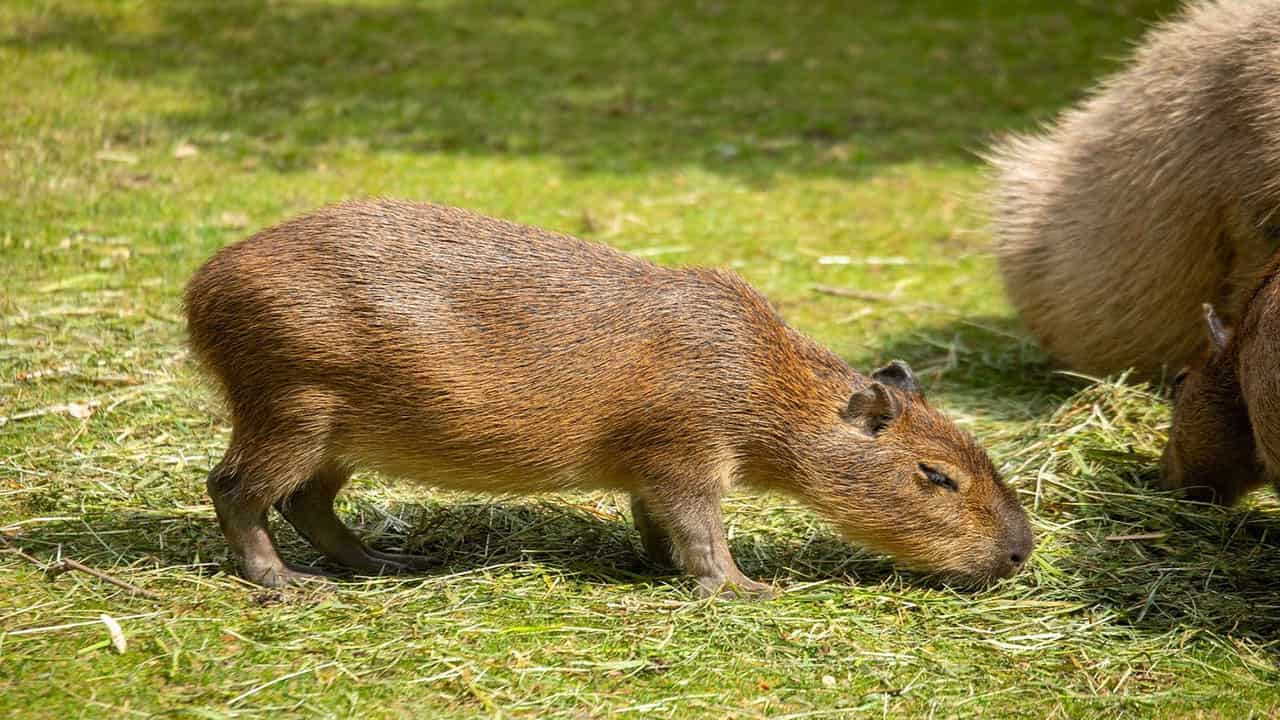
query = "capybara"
{"x": 1225, "y": 439}
{"x": 1154, "y": 195}
{"x": 438, "y": 345}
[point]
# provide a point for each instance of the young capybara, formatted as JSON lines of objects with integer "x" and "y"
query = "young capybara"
{"x": 437, "y": 345}
{"x": 1156, "y": 194}
{"x": 1225, "y": 439}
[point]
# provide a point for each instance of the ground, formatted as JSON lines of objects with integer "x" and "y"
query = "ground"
{"x": 825, "y": 150}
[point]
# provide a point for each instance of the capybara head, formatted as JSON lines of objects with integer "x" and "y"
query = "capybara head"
{"x": 912, "y": 484}
{"x": 1211, "y": 452}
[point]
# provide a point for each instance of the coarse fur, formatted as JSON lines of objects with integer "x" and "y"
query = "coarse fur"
{"x": 435, "y": 344}
{"x": 1154, "y": 195}
{"x": 1225, "y": 438}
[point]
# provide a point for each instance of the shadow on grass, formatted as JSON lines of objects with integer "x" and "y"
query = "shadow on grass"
{"x": 1210, "y": 570}
{"x": 740, "y": 88}
{"x": 461, "y": 537}
{"x": 1204, "y": 569}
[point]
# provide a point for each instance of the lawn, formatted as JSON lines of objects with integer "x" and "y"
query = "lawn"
{"x": 825, "y": 150}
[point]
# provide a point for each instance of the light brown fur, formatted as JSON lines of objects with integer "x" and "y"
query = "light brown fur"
{"x": 442, "y": 346}
{"x": 1225, "y": 439}
{"x": 1156, "y": 194}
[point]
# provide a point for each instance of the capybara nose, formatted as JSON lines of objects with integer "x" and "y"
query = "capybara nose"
{"x": 1009, "y": 565}
{"x": 1020, "y": 552}
{"x": 1017, "y": 546}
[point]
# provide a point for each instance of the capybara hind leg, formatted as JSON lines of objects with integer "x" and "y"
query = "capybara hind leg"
{"x": 698, "y": 545}
{"x": 654, "y": 538}
{"x": 310, "y": 511}
{"x": 243, "y": 518}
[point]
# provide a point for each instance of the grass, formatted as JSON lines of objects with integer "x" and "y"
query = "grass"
{"x": 803, "y": 143}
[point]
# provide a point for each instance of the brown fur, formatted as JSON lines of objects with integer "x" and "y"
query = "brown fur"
{"x": 1225, "y": 439}
{"x": 470, "y": 353}
{"x": 1156, "y": 194}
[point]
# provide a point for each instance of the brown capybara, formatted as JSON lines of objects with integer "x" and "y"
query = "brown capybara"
{"x": 1156, "y": 194}
{"x": 1225, "y": 439}
{"x": 434, "y": 344}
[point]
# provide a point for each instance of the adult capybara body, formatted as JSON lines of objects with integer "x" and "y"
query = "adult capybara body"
{"x": 438, "y": 345}
{"x": 1156, "y": 194}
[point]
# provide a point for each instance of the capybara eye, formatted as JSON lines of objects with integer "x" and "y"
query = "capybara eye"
{"x": 1180, "y": 378}
{"x": 938, "y": 478}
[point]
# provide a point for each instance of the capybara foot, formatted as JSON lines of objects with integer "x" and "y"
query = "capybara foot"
{"x": 289, "y": 576}
{"x": 740, "y": 589}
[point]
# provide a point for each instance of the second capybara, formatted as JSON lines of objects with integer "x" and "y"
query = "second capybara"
{"x": 1225, "y": 439}
{"x": 1156, "y": 194}
{"x": 464, "y": 352}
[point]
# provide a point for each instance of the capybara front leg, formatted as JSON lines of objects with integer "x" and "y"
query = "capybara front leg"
{"x": 698, "y": 545}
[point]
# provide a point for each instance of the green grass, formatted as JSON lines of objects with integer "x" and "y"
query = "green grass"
{"x": 137, "y": 137}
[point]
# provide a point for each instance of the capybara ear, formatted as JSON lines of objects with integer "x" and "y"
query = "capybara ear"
{"x": 899, "y": 375}
{"x": 872, "y": 408}
{"x": 1218, "y": 335}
